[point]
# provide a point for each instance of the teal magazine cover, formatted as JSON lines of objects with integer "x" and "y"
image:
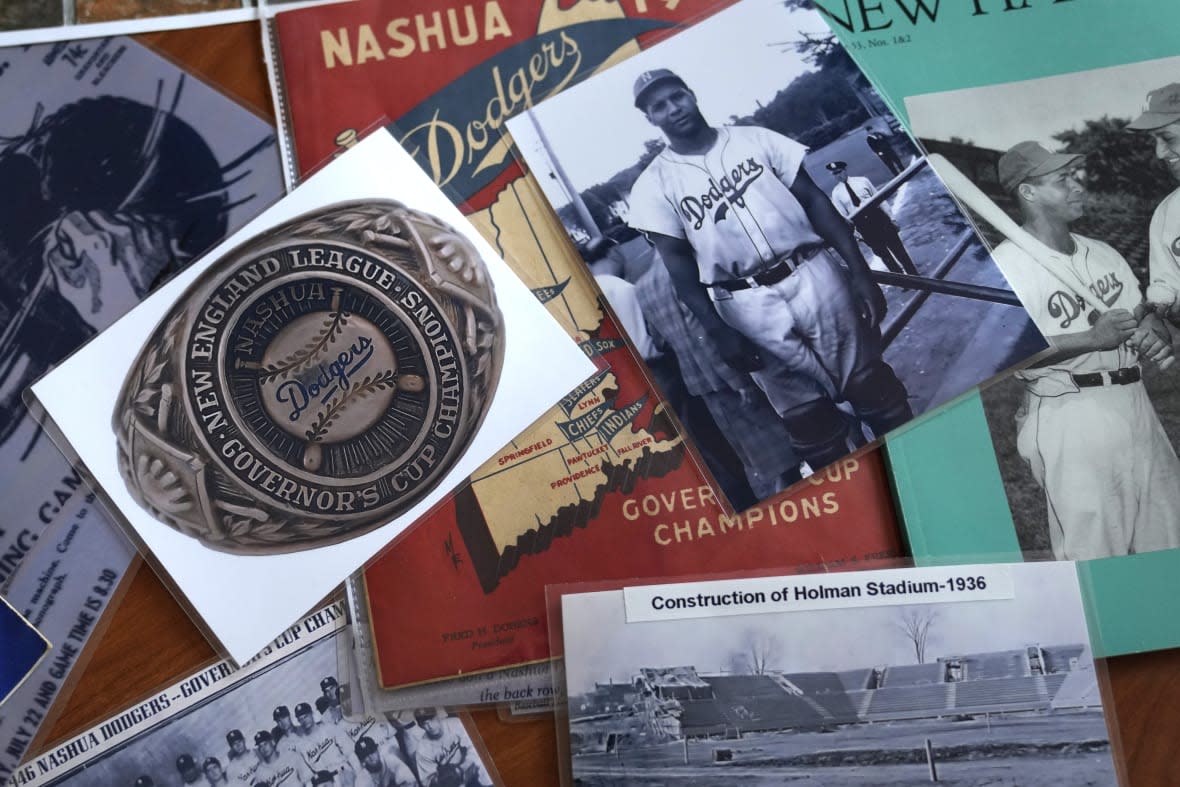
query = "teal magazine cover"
{"x": 997, "y": 476}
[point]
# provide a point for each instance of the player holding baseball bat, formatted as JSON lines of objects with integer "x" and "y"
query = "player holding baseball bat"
{"x": 1086, "y": 428}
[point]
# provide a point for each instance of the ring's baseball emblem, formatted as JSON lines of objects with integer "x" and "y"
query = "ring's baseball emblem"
{"x": 315, "y": 383}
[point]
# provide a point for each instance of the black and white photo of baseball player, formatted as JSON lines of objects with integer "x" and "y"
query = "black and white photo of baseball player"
{"x": 282, "y": 724}
{"x": 239, "y": 760}
{"x": 1159, "y": 127}
{"x": 322, "y": 745}
{"x": 719, "y": 176}
{"x": 780, "y": 285}
{"x": 1085, "y": 437}
{"x": 442, "y": 753}
{"x": 186, "y": 766}
{"x": 215, "y": 775}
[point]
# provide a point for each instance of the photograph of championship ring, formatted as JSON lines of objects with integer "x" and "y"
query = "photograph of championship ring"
{"x": 316, "y": 383}
{"x": 294, "y": 401}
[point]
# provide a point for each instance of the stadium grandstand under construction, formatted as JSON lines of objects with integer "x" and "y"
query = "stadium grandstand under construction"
{"x": 670, "y": 703}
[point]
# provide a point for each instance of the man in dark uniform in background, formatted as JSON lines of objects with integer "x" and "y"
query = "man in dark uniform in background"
{"x": 876, "y": 227}
{"x": 879, "y": 144}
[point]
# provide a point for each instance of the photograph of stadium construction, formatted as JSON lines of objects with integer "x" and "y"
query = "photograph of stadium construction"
{"x": 902, "y": 695}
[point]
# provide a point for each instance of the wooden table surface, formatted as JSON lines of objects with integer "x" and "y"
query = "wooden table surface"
{"x": 149, "y": 642}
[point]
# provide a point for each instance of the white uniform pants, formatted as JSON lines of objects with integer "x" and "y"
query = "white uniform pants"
{"x": 811, "y": 322}
{"x": 1110, "y": 475}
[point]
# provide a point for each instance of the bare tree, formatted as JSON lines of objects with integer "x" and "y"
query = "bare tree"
{"x": 915, "y": 623}
{"x": 759, "y": 653}
{"x": 739, "y": 663}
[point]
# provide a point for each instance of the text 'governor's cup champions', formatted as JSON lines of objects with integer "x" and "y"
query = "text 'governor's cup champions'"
{"x": 315, "y": 384}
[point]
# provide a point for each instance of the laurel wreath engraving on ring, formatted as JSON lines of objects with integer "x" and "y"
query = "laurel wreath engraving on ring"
{"x": 315, "y": 383}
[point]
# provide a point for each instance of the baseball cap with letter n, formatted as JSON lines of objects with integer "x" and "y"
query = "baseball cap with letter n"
{"x": 649, "y": 79}
{"x": 1028, "y": 160}
{"x": 1163, "y": 108}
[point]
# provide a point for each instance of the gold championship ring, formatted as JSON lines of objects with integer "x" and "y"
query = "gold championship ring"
{"x": 315, "y": 383}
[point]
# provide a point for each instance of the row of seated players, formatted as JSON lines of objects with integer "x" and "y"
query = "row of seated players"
{"x": 432, "y": 750}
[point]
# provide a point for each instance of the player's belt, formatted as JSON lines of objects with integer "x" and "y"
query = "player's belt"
{"x": 775, "y": 273}
{"x": 1116, "y": 377}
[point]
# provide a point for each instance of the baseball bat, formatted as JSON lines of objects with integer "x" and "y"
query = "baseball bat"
{"x": 983, "y": 206}
{"x": 974, "y": 198}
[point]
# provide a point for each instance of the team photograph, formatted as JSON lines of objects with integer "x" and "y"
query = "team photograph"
{"x": 280, "y": 722}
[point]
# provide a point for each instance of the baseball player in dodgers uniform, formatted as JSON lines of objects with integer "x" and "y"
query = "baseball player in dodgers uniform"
{"x": 1087, "y": 428}
{"x": 1162, "y": 122}
{"x": 746, "y": 236}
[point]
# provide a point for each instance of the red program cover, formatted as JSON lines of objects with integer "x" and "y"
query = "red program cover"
{"x": 605, "y": 486}
{"x": 427, "y": 605}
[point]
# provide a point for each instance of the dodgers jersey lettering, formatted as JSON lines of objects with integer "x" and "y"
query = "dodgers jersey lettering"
{"x": 1058, "y": 309}
{"x": 733, "y": 203}
{"x": 1110, "y": 475}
